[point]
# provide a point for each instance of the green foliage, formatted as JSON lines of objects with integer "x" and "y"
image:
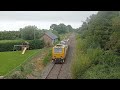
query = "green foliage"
{"x": 100, "y": 27}
{"x": 9, "y": 35}
{"x": 94, "y": 63}
{"x": 48, "y": 58}
{"x": 69, "y": 28}
{"x": 10, "y": 60}
{"x": 114, "y": 42}
{"x": 107, "y": 67}
{"x": 26, "y": 33}
{"x": 30, "y": 33}
{"x": 98, "y": 49}
{"x": 84, "y": 58}
{"x": 36, "y": 44}
{"x": 102, "y": 72}
{"x": 9, "y": 44}
{"x": 61, "y": 28}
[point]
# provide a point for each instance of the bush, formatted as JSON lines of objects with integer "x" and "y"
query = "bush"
{"x": 84, "y": 57}
{"x": 36, "y": 44}
{"x": 95, "y": 63}
{"x": 107, "y": 68}
{"x": 110, "y": 59}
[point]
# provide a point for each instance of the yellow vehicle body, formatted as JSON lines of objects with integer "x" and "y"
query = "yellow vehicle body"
{"x": 59, "y": 53}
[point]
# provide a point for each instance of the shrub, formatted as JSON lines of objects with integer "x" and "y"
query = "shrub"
{"x": 84, "y": 58}
{"x": 36, "y": 44}
{"x": 107, "y": 68}
{"x": 95, "y": 63}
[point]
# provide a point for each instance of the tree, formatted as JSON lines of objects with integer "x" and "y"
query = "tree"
{"x": 9, "y": 35}
{"x": 61, "y": 28}
{"x": 69, "y": 27}
{"x": 103, "y": 29}
{"x": 29, "y": 32}
{"x": 53, "y": 26}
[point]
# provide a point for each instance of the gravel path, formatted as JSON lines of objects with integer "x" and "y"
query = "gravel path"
{"x": 61, "y": 71}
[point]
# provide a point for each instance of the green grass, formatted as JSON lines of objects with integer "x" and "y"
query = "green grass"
{"x": 10, "y": 60}
{"x": 28, "y": 67}
{"x": 48, "y": 58}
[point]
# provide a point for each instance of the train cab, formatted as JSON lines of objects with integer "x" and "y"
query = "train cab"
{"x": 59, "y": 53}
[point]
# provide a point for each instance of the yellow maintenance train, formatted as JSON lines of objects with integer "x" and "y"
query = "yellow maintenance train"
{"x": 59, "y": 52}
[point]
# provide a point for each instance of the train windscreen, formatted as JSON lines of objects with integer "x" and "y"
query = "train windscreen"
{"x": 57, "y": 50}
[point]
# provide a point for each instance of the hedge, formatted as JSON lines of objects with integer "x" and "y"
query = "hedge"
{"x": 9, "y": 44}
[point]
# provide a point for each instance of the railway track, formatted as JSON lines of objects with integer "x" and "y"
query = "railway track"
{"x": 57, "y": 71}
{"x": 54, "y": 72}
{"x": 60, "y": 71}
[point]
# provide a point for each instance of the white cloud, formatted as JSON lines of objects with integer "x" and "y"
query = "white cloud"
{"x": 16, "y": 25}
{"x": 13, "y": 20}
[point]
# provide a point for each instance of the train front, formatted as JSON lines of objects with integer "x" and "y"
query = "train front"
{"x": 58, "y": 54}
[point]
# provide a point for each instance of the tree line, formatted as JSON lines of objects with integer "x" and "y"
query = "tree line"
{"x": 9, "y": 35}
{"x": 102, "y": 29}
{"x": 32, "y": 32}
{"x": 98, "y": 47}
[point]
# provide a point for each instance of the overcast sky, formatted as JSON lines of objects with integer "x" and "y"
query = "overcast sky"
{"x": 13, "y": 20}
